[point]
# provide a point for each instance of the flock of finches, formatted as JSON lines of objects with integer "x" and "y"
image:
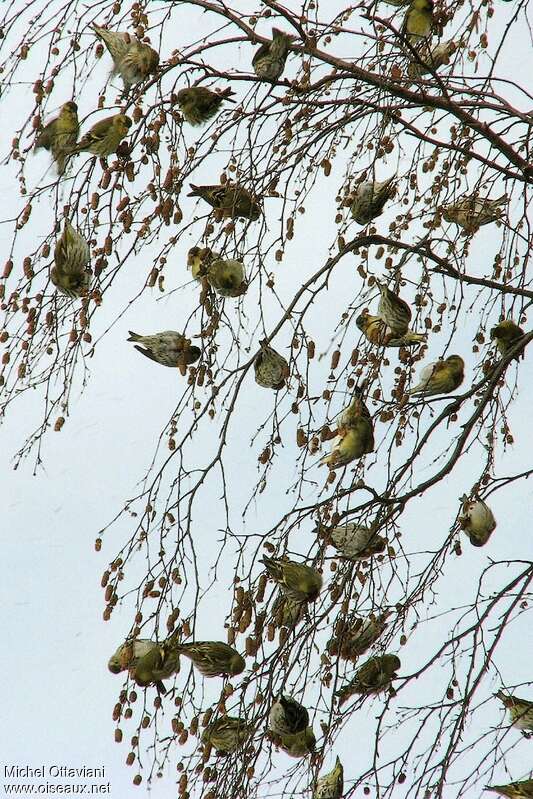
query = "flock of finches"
{"x": 149, "y": 662}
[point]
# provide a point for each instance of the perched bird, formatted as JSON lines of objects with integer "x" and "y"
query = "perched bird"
{"x": 286, "y": 612}
{"x": 129, "y": 653}
{"x": 440, "y": 377}
{"x": 355, "y": 434}
{"x": 226, "y": 734}
{"x": 520, "y": 710}
{"x": 59, "y": 136}
{"x": 356, "y": 542}
{"x": 506, "y": 334}
{"x": 132, "y": 60}
{"x": 198, "y": 104}
{"x": 331, "y": 785}
{"x": 287, "y": 716}
{"x": 298, "y": 745}
{"x": 394, "y": 311}
{"x": 430, "y": 61}
{"x": 70, "y": 274}
{"x": 104, "y": 137}
{"x": 270, "y": 368}
{"x": 213, "y": 658}
{"x": 225, "y": 275}
{"x": 478, "y": 521}
{"x": 514, "y": 790}
{"x": 377, "y": 332}
{"x": 167, "y": 348}
{"x": 298, "y": 582}
{"x": 373, "y": 677}
{"x": 355, "y": 636}
{"x": 145, "y": 661}
{"x": 370, "y": 198}
{"x": 471, "y": 212}
{"x": 232, "y": 199}
{"x": 199, "y": 260}
{"x": 418, "y": 20}
{"x": 269, "y": 61}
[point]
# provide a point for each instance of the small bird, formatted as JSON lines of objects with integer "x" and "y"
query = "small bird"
{"x": 270, "y": 368}
{"x": 70, "y": 274}
{"x": 506, "y": 334}
{"x": 355, "y": 434}
{"x": 520, "y": 710}
{"x": 287, "y": 716}
{"x": 355, "y": 636}
{"x": 331, "y": 785}
{"x": 227, "y": 277}
{"x": 440, "y": 377}
{"x": 430, "y": 61}
{"x": 377, "y": 332}
{"x": 373, "y": 677}
{"x": 213, "y": 658}
{"x": 144, "y": 660}
{"x": 356, "y": 542}
{"x": 418, "y": 20}
{"x": 471, "y": 212}
{"x": 298, "y": 582}
{"x": 59, "y": 136}
{"x": 298, "y": 745}
{"x": 514, "y": 790}
{"x": 478, "y": 521}
{"x": 129, "y": 653}
{"x": 232, "y": 200}
{"x": 269, "y": 61}
{"x": 133, "y": 60}
{"x": 167, "y": 348}
{"x": 199, "y": 259}
{"x": 394, "y": 311}
{"x": 226, "y": 734}
{"x": 286, "y": 612}
{"x": 104, "y": 137}
{"x": 370, "y": 198}
{"x": 198, "y": 104}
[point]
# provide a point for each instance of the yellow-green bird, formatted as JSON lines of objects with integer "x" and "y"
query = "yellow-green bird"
{"x": 105, "y": 136}
{"x": 520, "y": 710}
{"x": 198, "y": 261}
{"x": 227, "y": 734}
{"x": 300, "y": 744}
{"x": 225, "y": 275}
{"x": 70, "y": 274}
{"x": 213, "y": 658}
{"x": 373, "y": 677}
{"x": 145, "y": 662}
{"x": 287, "y": 716}
{"x": 430, "y": 61}
{"x": 471, "y": 212}
{"x": 377, "y": 332}
{"x": 286, "y": 612}
{"x": 370, "y": 198}
{"x": 199, "y": 104}
{"x": 233, "y": 200}
{"x": 269, "y": 60}
{"x": 129, "y": 653}
{"x": 133, "y": 60}
{"x": 506, "y": 334}
{"x": 355, "y": 434}
{"x": 355, "y": 636}
{"x": 168, "y": 348}
{"x": 60, "y": 135}
{"x": 299, "y": 582}
{"x": 356, "y": 542}
{"x": 514, "y": 790}
{"x": 418, "y": 20}
{"x": 331, "y": 785}
{"x": 440, "y": 377}
{"x": 270, "y": 368}
{"x": 478, "y": 521}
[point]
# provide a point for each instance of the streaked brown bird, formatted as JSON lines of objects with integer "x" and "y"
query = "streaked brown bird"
{"x": 471, "y": 212}
{"x": 286, "y": 612}
{"x": 287, "y": 716}
{"x": 331, "y": 785}
{"x": 104, "y": 137}
{"x": 199, "y": 104}
{"x": 356, "y": 541}
{"x": 354, "y": 636}
{"x": 377, "y": 332}
{"x": 227, "y": 734}
{"x": 269, "y": 60}
{"x": 60, "y": 135}
{"x": 168, "y": 348}
{"x": 394, "y": 311}
{"x": 70, "y": 273}
{"x": 298, "y": 581}
{"x": 373, "y": 677}
{"x": 370, "y": 198}
{"x": 520, "y": 711}
{"x": 440, "y": 377}
{"x": 213, "y": 658}
{"x": 431, "y": 60}
{"x": 514, "y": 790}
{"x": 232, "y": 200}
{"x": 133, "y": 60}
{"x": 270, "y": 368}
{"x": 506, "y": 334}
{"x": 477, "y": 522}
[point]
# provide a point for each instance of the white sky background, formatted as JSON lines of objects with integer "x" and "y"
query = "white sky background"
{"x": 59, "y": 695}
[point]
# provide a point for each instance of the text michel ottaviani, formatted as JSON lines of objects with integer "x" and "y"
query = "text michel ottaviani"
{"x": 29, "y": 772}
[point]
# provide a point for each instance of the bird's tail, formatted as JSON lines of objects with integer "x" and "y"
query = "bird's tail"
{"x": 227, "y": 94}
{"x": 196, "y": 191}
{"x": 133, "y": 336}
